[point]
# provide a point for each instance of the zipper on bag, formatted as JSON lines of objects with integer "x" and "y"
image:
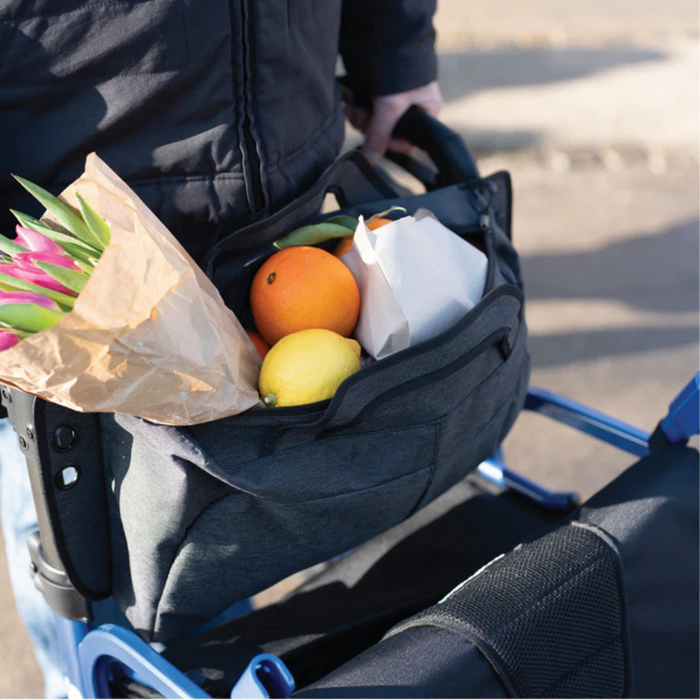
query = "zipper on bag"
{"x": 493, "y": 340}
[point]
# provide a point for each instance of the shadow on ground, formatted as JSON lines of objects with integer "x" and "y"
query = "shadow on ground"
{"x": 462, "y": 74}
{"x": 467, "y": 73}
{"x": 655, "y": 273}
{"x": 562, "y": 349}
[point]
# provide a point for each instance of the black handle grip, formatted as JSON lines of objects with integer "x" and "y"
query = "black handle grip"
{"x": 445, "y": 147}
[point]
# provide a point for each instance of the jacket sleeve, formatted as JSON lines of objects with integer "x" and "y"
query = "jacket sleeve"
{"x": 388, "y": 46}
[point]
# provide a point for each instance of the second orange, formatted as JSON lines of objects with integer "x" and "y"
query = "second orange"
{"x": 300, "y": 288}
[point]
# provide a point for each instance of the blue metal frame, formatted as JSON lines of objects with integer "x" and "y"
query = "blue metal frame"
{"x": 495, "y": 471}
{"x": 113, "y": 643}
{"x": 88, "y": 654}
{"x": 70, "y": 634}
{"x": 683, "y": 419}
{"x": 263, "y": 672}
{"x": 576, "y": 415}
{"x": 587, "y": 420}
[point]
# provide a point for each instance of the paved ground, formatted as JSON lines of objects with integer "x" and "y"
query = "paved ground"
{"x": 593, "y": 107}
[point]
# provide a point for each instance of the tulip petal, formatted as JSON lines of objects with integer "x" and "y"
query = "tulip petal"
{"x": 36, "y": 242}
{"x": 62, "y": 239}
{"x": 36, "y": 277}
{"x": 8, "y": 340}
{"x": 27, "y": 298}
{"x": 75, "y": 281}
{"x": 27, "y": 261}
{"x": 11, "y": 283}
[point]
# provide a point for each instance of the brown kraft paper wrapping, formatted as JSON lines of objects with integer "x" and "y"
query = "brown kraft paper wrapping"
{"x": 149, "y": 336}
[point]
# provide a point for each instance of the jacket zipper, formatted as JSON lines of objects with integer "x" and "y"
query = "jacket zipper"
{"x": 250, "y": 146}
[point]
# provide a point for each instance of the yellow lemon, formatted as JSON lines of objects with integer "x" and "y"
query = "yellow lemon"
{"x": 307, "y": 366}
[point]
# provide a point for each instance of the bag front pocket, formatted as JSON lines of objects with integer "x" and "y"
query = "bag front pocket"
{"x": 242, "y": 544}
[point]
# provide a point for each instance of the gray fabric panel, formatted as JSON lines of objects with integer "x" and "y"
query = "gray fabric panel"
{"x": 153, "y": 496}
{"x": 242, "y": 544}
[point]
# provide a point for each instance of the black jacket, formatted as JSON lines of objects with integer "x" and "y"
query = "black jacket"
{"x": 216, "y": 112}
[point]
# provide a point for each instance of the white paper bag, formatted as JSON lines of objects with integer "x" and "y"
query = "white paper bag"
{"x": 416, "y": 278}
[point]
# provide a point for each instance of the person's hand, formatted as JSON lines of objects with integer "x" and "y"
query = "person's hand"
{"x": 387, "y": 110}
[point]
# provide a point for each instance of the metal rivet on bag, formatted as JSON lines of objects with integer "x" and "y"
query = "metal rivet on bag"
{"x": 32, "y": 567}
{"x": 22, "y": 442}
{"x": 64, "y": 438}
{"x": 485, "y": 222}
{"x": 7, "y": 396}
{"x": 68, "y": 477}
{"x": 30, "y": 433}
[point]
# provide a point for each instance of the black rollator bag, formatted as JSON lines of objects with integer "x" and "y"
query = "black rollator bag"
{"x": 203, "y": 516}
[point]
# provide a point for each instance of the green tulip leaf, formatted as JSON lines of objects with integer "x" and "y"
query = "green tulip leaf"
{"x": 31, "y": 318}
{"x": 12, "y": 284}
{"x": 74, "y": 280}
{"x": 11, "y": 248}
{"x": 65, "y": 216}
{"x": 95, "y": 222}
{"x": 73, "y": 246}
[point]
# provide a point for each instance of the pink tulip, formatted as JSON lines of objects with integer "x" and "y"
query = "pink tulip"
{"x": 36, "y": 242}
{"x": 7, "y": 340}
{"x": 35, "y": 276}
{"x": 27, "y": 298}
{"x": 26, "y": 260}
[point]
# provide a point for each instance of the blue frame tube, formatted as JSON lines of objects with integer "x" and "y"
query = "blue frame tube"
{"x": 587, "y": 420}
{"x": 70, "y": 635}
{"x": 113, "y": 642}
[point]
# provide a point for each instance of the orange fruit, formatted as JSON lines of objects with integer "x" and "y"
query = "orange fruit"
{"x": 346, "y": 243}
{"x": 260, "y": 345}
{"x": 343, "y": 247}
{"x": 301, "y": 288}
{"x": 373, "y": 224}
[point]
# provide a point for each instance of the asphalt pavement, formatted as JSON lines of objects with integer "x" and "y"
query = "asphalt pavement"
{"x": 593, "y": 108}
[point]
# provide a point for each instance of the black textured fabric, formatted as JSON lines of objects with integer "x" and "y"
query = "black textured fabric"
{"x": 215, "y": 114}
{"x": 79, "y": 514}
{"x": 387, "y": 49}
{"x": 426, "y": 662}
{"x": 549, "y": 616}
{"x": 651, "y": 512}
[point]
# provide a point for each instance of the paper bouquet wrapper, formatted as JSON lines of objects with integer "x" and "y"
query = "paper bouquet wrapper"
{"x": 416, "y": 278}
{"x": 149, "y": 335}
